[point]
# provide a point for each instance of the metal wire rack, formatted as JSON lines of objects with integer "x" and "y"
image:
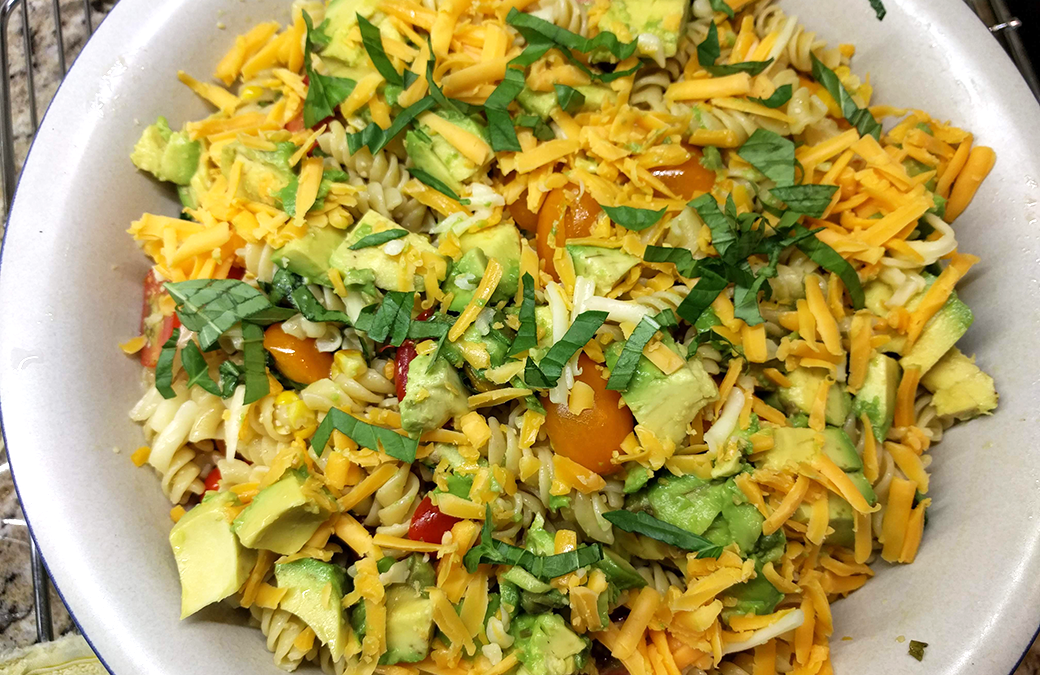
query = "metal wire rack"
{"x": 17, "y": 126}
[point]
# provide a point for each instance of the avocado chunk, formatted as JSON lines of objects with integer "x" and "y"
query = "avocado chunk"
{"x": 841, "y": 518}
{"x": 438, "y": 156}
{"x": 345, "y": 55}
{"x": 264, "y": 172}
{"x": 409, "y": 625}
{"x": 373, "y": 264}
{"x": 464, "y": 278}
{"x": 167, "y": 155}
{"x": 666, "y": 404}
{"x": 306, "y": 581}
{"x": 940, "y": 334}
{"x": 619, "y": 571}
{"x": 211, "y": 562}
{"x": 605, "y": 266}
{"x": 540, "y": 103}
{"x": 795, "y": 448}
{"x": 661, "y": 21}
{"x": 546, "y": 646}
{"x": 799, "y": 397}
{"x": 283, "y": 516}
{"x": 433, "y": 395}
{"x": 309, "y": 255}
{"x": 959, "y": 388}
{"x": 877, "y": 396}
{"x": 501, "y": 242}
{"x": 754, "y": 596}
{"x": 495, "y": 342}
{"x": 716, "y": 510}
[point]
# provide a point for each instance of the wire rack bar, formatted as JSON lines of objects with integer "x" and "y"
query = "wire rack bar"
{"x": 994, "y": 12}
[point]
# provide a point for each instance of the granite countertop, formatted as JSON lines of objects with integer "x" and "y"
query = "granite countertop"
{"x": 17, "y": 618}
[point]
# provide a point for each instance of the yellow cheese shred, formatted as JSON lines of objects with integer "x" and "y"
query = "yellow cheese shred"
{"x": 488, "y": 284}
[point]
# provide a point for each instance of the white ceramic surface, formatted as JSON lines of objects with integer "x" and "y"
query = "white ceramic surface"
{"x": 70, "y": 287}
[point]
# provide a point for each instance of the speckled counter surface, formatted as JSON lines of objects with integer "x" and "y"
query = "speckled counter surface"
{"x": 17, "y": 619}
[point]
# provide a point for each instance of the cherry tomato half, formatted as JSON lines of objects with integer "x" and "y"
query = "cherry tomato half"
{"x": 591, "y": 437}
{"x": 525, "y": 218}
{"x": 564, "y": 216}
{"x": 297, "y": 359}
{"x": 429, "y": 524}
{"x": 405, "y": 353}
{"x": 212, "y": 482}
{"x": 689, "y": 179}
{"x": 155, "y": 332}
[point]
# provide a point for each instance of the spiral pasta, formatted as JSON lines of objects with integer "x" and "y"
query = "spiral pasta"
{"x": 282, "y": 629}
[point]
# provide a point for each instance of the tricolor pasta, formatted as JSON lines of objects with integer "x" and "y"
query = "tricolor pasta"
{"x": 550, "y": 337}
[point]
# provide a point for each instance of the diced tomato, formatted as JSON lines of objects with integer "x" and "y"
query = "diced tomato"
{"x": 525, "y": 218}
{"x": 297, "y": 359}
{"x": 563, "y": 216}
{"x": 590, "y": 438}
{"x": 405, "y": 353}
{"x": 212, "y": 482}
{"x": 689, "y": 179}
{"x": 429, "y": 524}
{"x": 295, "y": 124}
{"x": 236, "y": 273}
{"x": 156, "y": 330}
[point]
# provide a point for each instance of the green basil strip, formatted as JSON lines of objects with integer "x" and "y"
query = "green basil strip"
{"x": 666, "y": 319}
{"x": 378, "y": 238}
{"x": 365, "y": 435}
{"x": 722, "y": 234}
{"x": 494, "y": 552}
{"x": 745, "y": 302}
{"x": 749, "y": 67}
{"x": 812, "y": 200}
{"x": 770, "y": 153}
{"x": 317, "y": 36}
{"x": 708, "y": 51}
{"x": 564, "y": 38}
{"x": 628, "y": 360}
{"x": 856, "y": 116}
{"x": 547, "y": 372}
{"x": 721, "y": 6}
{"x": 434, "y": 328}
{"x": 830, "y": 260}
{"x": 376, "y": 138}
{"x": 438, "y": 94}
{"x": 500, "y": 125}
{"x": 527, "y": 337}
{"x": 645, "y": 524}
{"x": 324, "y": 92}
{"x": 569, "y": 98}
{"x": 700, "y": 297}
{"x": 916, "y": 649}
{"x": 288, "y": 286}
{"x": 210, "y": 307}
{"x": 254, "y": 362}
{"x": 373, "y": 42}
{"x": 880, "y": 11}
{"x": 501, "y": 132}
{"x": 781, "y": 96}
{"x": 197, "y": 369}
{"x": 540, "y": 129}
{"x": 164, "y": 365}
{"x": 437, "y": 185}
{"x": 230, "y": 377}
{"x": 632, "y": 218}
{"x": 680, "y": 257}
{"x": 390, "y": 321}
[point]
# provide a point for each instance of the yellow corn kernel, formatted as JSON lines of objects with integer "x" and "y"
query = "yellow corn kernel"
{"x": 348, "y": 362}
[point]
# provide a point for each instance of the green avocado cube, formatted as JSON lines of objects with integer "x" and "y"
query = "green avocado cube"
{"x": 388, "y": 270}
{"x": 211, "y": 562}
{"x": 167, "y": 155}
{"x": 501, "y": 243}
{"x": 409, "y": 625}
{"x": 797, "y": 448}
{"x": 666, "y": 404}
{"x": 283, "y": 516}
{"x": 940, "y": 334}
{"x": 877, "y": 396}
{"x": 433, "y": 395}
{"x": 799, "y": 397}
{"x": 604, "y": 266}
{"x": 306, "y": 581}
{"x": 264, "y": 172}
{"x": 309, "y": 255}
{"x": 660, "y": 24}
{"x": 546, "y": 646}
{"x": 464, "y": 278}
{"x": 438, "y": 156}
{"x": 959, "y": 388}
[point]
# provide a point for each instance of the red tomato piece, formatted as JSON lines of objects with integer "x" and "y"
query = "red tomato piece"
{"x": 429, "y": 524}
{"x": 156, "y": 332}
{"x": 405, "y": 353}
{"x": 689, "y": 179}
{"x": 212, "y": 481}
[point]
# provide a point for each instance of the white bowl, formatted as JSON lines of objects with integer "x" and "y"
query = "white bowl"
{"x": 70, "y": 288}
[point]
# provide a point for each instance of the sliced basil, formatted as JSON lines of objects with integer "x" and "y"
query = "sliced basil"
{"x": 569, "y": 98}
{"x": 254, "y": 362}
{"x": 376, "y": 138}
{"x": 880, "y": 11}
{"x": 645, "y": 524}
{"x": 197, "y": 369}
{"x": 164, "y": 365}
{"x": 378, "y": 238}
{"x": 708, "y": 51}
{"x": 812, "y": 200}
{"x": 436, "y": 184}
{"x": 632, "y": 218}
{"x": 230, "y": 377}
{"x": 770, "y": 153}
{"x": 365, "y": 435}
{"x": 324, "y": 92}
{"x": 722, "y": 6}
{"x": 625, "y": 367}
{"x": 856, "y": 116}
{"x": 373, "y": 41}
{"x": 390, "y": 320}
{"x": 779, "y": 97}
{"x": 212, "y": 306}
{"x": 830, "y": 260}
{"x": 527, "y": 336}
{"x": 491, "y": 551}
{"x": 547, "y": 372}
